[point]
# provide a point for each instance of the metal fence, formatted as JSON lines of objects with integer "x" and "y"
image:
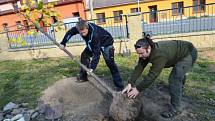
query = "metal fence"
{"x": 116, "y": 29}
{"x": 157, "y": 22}
{"x": 21, "y": 39}
{"x": 179, "y": 20}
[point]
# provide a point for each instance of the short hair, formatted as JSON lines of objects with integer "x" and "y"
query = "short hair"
{"x": 82, "y": 24}
{"x": 144, "y": 43}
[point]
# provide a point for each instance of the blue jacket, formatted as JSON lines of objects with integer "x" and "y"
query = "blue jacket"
{"x": 96, "y": 38}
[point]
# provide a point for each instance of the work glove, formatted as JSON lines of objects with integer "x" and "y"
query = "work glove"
{"x": 62, "y": 47}
{"x": 90, "y": 71}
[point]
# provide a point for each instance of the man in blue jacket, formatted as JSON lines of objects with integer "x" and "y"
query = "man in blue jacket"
{"x": 98, "y": 41}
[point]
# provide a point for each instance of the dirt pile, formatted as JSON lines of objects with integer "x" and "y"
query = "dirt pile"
{"x": 83, "y": 102}
{"x": 79, "y": 100}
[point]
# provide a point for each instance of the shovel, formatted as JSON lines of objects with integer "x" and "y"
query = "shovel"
{"x": 126, "y": 51}
{"x": 122, "y": 108}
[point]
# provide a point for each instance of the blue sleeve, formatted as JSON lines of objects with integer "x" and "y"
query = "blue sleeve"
{"x": 96, "y": 52}
{"x": 69, "y": 34}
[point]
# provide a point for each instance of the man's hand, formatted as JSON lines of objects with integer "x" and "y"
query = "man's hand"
{"x": 133, "y": 93}
{"x": 62, "y": 47}
{"x": 127, "y": 89}
{"x": 90, "y": 71}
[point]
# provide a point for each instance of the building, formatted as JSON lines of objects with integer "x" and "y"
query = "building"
{"x": 155, "y": 10}
{"x": 66, "y": 8}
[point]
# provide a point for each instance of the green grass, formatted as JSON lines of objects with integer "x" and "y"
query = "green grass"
{"x": 24, "y": 80}
{"x": 200, "y": 80}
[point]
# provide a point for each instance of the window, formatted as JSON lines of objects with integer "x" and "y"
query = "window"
{"x": 26, "y": 25}
{"x": 42, "y": 23}
{"x": 19, "y": 25}
{"x": 54, "y": 19}
{"x": 76, "y": 14}
{"x": 177, "y": 8}
{"x": 101, "y": 18}
{"x": 117, "y": 16}
{"x": 134, "y": 10}
{"x": 153, "y": 17}
{"x": 5, "y": 25}
{"x": 198, "y": 6}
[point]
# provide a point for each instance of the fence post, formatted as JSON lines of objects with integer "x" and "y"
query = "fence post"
{"x": 134, "y": 27}
{"x": 4, "y": 42}
{"x": 126, "y": 25}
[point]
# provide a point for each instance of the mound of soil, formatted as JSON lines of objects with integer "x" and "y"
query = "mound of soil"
{"x": 83, "y": 102}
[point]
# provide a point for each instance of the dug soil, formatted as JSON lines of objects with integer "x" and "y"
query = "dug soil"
{"x": 83, "y": 102}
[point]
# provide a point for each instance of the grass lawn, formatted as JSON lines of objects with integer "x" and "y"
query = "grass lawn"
{"x": 24, "y": 80}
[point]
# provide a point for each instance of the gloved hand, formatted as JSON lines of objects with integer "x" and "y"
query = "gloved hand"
{"x": 90, "y": 71}
{"x": 62, "y": 47}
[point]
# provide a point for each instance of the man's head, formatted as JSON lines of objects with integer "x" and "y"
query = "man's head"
{"x": 143, "y": 47}
{"x": 82, "y": 27}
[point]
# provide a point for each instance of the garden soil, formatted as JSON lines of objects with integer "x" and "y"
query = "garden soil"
{"x": 83, "y": 102}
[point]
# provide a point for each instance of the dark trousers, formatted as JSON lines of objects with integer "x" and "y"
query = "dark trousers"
{"x": 108, "y": 54}
{"x": 177, "y": 78}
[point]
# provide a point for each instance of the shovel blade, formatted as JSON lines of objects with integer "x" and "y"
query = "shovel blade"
{"x": 126, "y": 52}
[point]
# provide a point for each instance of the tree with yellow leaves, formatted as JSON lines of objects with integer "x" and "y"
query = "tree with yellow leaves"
{"x": 37, "y": 12}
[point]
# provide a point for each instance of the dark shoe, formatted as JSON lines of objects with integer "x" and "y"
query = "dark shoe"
{"x": 170, "y": 113}
{"x": 81, "y": 80}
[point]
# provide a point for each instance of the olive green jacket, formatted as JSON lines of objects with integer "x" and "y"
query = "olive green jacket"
{"x": 165, "y": 54}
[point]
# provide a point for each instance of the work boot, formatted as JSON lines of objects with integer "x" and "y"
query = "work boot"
{"x": 81, "y": 79}
{"x": 171, "y": 113}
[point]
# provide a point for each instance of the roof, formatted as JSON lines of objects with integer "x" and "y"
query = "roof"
{"x": 45, "y": 1}
{"x": 108, "y": 3}
{"x": 68, "y": 2}
{"x": 7, "y": 1}
{"x": 59, "y": 3}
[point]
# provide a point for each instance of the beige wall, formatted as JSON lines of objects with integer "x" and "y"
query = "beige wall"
{"x": 3, "y": 42}
{"x": 199, "y": 39}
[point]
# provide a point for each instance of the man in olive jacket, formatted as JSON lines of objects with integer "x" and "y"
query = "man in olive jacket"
{"x": 178, "y": 54}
